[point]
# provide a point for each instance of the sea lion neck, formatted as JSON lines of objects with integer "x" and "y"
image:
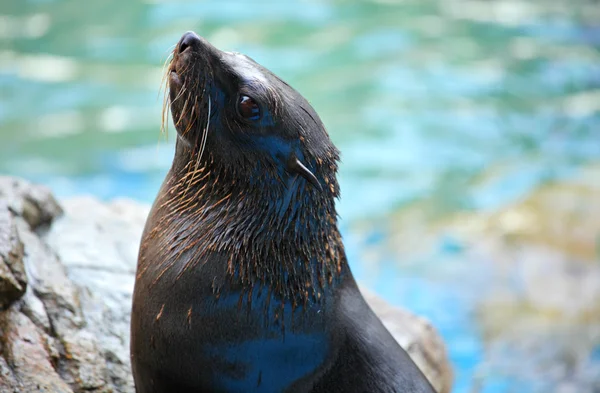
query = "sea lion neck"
{"x": 276, "y": 231}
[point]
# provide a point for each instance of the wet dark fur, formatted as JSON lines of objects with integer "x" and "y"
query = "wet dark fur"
{"x": 242, "y": 280}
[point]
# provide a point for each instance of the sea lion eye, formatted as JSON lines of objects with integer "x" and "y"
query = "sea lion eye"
{"x": 248, "y": 108}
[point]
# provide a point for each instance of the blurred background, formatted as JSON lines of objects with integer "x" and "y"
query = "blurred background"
{"x": 470, "y": 139}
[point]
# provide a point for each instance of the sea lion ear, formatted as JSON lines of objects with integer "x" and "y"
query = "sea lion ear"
{"x": 294, "y": 165}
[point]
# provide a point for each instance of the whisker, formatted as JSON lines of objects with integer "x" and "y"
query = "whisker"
{"x": 183, "y": 110}
{"x": 164, "y": 127}
{"x": 205, "y": 134}
{"x": 166, "y": 63}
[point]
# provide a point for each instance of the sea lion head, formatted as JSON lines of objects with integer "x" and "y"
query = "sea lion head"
{"x": 253, "y": 182}
{"x": 234, "y": 116}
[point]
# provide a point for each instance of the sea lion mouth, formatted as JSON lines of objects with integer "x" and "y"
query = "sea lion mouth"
{"x": 174, "y": 79}
{"x": 177, "y": 68}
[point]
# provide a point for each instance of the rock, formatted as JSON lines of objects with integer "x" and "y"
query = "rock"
{"x": 98, "y": 244}
{"x": 8, "y": 381}
{"x": 13, "y": 280}
{"x": 68, "y": 331}
{"x": 34, "y": 203}
{"x": 34, "y": 309}
{"x": 25, "y": 351}
{"x": 428, "y": 351}
{"x": 45, "y": 343}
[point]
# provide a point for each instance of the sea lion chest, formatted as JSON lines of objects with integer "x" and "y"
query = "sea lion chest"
{"x": 218, "y": 334}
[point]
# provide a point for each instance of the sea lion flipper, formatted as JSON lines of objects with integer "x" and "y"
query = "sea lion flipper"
{"x": 296, "y": 166}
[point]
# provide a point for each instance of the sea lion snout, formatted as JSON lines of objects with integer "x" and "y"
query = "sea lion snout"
{"x": 188, "y": 40}
{"x": 186, "y": 52}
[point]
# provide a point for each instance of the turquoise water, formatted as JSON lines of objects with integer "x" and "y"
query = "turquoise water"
{"x": 466, "y": 106}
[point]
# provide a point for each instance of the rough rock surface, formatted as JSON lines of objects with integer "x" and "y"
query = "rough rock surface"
{"x": 45, "y": 342}
{"x": 66, "y": 282}
{"x": 13, "y": 280}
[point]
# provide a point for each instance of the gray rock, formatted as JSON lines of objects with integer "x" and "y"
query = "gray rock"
{"x": 45, "y": 344}
{"x": 26, "y": 353}
{"x": 98, "y": 244}
{"x": 68, "y": 331}
{"x": 34, "y": 309}
{"x": 34, "y": 203}
{"x": 13, "y": 280}
{"x": 8, "y": 381}
{"x": 418, "y": 337}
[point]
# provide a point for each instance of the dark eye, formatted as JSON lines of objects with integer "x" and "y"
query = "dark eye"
{"x": 248, "y": 108}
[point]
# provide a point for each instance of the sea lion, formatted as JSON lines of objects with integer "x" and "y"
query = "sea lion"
{"x": 242, "y": 281}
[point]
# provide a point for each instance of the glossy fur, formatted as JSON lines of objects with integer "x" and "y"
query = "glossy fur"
{"x": 242, "y": 282}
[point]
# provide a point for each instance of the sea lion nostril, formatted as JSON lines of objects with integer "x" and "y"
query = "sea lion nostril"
{"x": 183, "y": 46}
{"x": 188, "y": 40}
